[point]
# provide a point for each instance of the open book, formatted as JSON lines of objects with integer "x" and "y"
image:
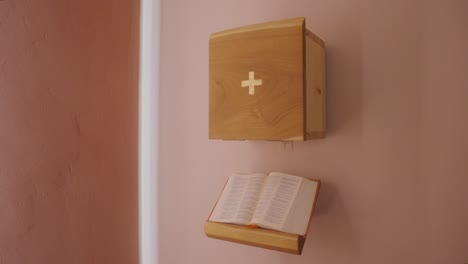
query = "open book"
{"x": 275, "y": 201}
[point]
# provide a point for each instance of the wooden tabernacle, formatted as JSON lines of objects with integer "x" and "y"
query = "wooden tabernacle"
{"x": 267, "y": 82}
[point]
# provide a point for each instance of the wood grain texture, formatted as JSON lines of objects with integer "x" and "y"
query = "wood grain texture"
{"x": 315, "y": 87}
{"x": 275, "y": 52}
{"x": 293, "y": 22}
{"x": 288, "y": 102}
{"x": 258, "y": 237}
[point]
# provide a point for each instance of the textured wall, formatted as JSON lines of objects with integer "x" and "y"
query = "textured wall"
{"x": 68, "y": 131}
{"x": 394, "y": 164}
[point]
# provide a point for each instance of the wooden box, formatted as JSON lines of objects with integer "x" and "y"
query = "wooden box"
{"x": 267, "y": 82}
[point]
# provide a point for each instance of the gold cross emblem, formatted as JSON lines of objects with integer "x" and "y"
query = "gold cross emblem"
{"x": 251, "y": 82}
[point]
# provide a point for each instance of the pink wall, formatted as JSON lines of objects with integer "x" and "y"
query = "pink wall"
{"x": 394, "y": 164}
{"x": 68, "y": 131}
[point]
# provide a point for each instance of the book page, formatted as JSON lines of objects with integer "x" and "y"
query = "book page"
{"x": 298, "y": 219}
{"x": 239, "y": 199}
{"x": 276, "y": 200}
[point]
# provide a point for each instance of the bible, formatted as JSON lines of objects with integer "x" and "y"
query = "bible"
{"x": 276, "y": 201}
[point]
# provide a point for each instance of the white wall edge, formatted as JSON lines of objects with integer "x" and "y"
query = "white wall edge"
{"x": 148, "y": 130}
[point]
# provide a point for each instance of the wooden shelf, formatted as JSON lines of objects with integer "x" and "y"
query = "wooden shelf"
{"x": 259, "y": 237}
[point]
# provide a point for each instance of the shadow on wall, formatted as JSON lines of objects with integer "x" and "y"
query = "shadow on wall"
{"x": 331, "y": 233}
{"x": 344, "y": 79}
{"x": 331, "y": 227}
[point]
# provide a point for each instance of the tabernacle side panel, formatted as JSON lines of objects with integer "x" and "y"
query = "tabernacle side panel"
{"x": 315, "y": 87}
